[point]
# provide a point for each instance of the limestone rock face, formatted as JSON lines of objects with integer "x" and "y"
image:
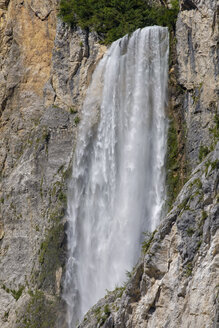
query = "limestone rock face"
{"x": 42, "y": 9}
{"x": 75, "y": 56}
{"x": 45, "y": 70}
{"x": 197, "y": 54}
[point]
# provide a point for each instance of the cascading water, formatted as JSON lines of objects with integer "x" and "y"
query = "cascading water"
{"x": 117, "y": 188}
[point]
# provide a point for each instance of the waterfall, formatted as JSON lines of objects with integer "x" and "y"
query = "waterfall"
{"x": 117, "y": 188}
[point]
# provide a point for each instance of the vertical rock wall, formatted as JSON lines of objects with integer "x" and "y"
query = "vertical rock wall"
{"x": 198, "y": 63}
{"x": 45, "y": 70}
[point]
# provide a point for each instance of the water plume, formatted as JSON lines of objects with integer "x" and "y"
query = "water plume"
{"x": 117, "y": 188}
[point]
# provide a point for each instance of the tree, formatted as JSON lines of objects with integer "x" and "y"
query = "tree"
{"x": 112, "y": 19}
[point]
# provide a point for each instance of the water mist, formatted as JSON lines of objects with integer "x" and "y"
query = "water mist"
{"x": 117, "y": 188}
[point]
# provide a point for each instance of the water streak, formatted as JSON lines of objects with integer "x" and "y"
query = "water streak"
{"x": 117, "y": 188}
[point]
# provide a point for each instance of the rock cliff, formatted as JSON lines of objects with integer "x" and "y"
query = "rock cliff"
{"x": 197, "y": 55}
{"x": 45, "y": 71}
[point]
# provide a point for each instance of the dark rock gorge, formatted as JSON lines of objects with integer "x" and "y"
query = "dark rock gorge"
{"x": 45, "y": 71}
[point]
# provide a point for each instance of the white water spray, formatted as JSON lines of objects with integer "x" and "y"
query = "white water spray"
{"x": 117, "y": 187}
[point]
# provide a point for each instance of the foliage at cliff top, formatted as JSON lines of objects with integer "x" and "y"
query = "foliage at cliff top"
{"x": 112, "y": 19}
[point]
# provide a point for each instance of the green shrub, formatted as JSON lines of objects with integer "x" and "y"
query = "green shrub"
{"x": 188, "y": 269}
{"x": 102, "y": 314}
{"x": 77, "y": 120}
{"x": 119, "y": 291}
{"x": 107, "y": 310}
{"x": 15, "y": 293}
{"x": 112, "y": 19}
{"x": 149, "y": 237}
{"x": 62, "y": 197}
{"x": 203, "y": 152}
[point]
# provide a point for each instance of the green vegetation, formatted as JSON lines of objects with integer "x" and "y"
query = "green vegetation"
{"x": 51, "y": 256}
{"x": 149, "y": 237}
{"x": 106, "y": 310}
{"x": 203, "y": 152}
{"x": 77, "y": 120}
{"x": 207, "y": 165}
{"x": 196, "y": 182}
{"x": 215, "y": 131}
{"x": 201, "y": 222}
{"x": 6, "y": 314}
{"x": 190, "y": 231}
{"x": 129, "y": 274}
{"x": 39, "y": 312}
{"x": 199, "y": 244}
{"x": 112, "y": 19}
{"x": 211, "y": 165}
{"x": 62, "y": 197}
{"x": 73, "y": 110}
{"x": 184, "y": 206}
{"x": 97, "y": 312}
{"x": 58, "y": 192}
{"x": 118, "y": 291}
{"x": 102, "y": 314}
{"x": 66, "y": 174}
{"x": 51, "y": 253}
{"x": 215, "y": 164}
{"x": 172, "y": 165}
{"x": 15, "y": 293}
{"x": 189, "y": 269}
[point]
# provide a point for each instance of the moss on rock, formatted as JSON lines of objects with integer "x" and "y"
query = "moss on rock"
{"x": 39, "y": 312}
{"x": 51, "y": 257}
{"x": 176, "y": 163}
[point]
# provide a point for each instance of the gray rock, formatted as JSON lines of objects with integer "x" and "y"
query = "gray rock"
{"x": 197, "y": 34}
{"x": 38, "y": 133}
